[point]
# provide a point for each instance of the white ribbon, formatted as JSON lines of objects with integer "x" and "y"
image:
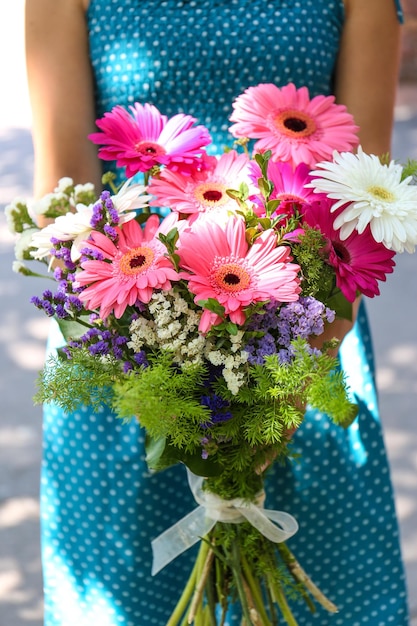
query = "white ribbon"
{"x": 191, "y": 528}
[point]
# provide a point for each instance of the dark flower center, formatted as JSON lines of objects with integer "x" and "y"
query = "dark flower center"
{"x": 231, "y": 279}
{"x": 149, "y": 148}
{"x": 137, "y": 261}
{"x": 342, "y": 252}
{"x": 295, "y": 124}
{"x": 212, "y": 195}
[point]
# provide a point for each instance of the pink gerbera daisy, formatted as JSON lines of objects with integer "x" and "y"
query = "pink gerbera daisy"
{"x": 288, "y": 187}
{"x": 145, "y": 138}
{"x": 220, "y": 264}
{"x": 130, "y": 269}
{"x": 293, "y": 126}
{"x": 203, "y": 191}
{"x": 359, "y": 261}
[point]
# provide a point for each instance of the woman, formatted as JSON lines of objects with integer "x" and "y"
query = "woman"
{"x": 100, "y": 506}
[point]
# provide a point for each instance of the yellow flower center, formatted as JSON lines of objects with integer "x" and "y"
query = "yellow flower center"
{"x": 381, "y": 193}
{"x": 231, "y": 277}
{"x": 211, "y": 194}
{"x": 295, "y": 124}
{"x": 136, "y": 261}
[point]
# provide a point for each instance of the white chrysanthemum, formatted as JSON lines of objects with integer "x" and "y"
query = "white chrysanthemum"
{"x": 76, "y": 226}
{"x": 374, "y": 194}
{"x": 73, "y": 227}
{"x": 130, "y": 197}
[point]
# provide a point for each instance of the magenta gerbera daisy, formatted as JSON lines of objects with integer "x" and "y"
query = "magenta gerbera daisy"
{"x": 129, "y": 270}
{"x": 359, "y": 261}
{"x": 288, "y": 187}
{"x": 203, "y": 191}
{"x": 295, "y": 127}
{"x": 143, "y": 138}
{"x": 220, "y": 264}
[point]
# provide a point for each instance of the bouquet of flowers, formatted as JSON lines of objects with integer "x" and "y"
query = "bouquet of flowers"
{"x": 201, "y": 301}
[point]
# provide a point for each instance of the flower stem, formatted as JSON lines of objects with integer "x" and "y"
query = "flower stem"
{"x": 204, "y": 560}
{"x": 299, "y": 574}
{"x": 185, "y": 597}
{"x": 238, "y": 578}
{"x": 255, "y": 592}
{"x": 279, "y": 597}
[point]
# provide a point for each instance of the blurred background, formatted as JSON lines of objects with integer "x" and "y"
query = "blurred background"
{"x": 23, "y": 333}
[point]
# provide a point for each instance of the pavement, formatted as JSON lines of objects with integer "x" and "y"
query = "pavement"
{"x": 23, "y": 333}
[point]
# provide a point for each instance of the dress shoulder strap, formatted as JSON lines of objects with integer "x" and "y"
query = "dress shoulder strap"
{"x": 400, "y": 12}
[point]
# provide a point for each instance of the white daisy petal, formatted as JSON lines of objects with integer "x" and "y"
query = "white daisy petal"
{"x": 374, "y": 194}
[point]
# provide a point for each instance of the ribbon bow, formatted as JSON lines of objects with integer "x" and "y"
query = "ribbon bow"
{"x": 191, "y": 528}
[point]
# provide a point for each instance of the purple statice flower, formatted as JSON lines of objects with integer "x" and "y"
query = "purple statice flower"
{"x": 73, "y": 304}
{"x": 59, "y": 274}
{"x": 264, "y": 346}
{"x": 105, "y": 215}
{"x": 204, "y": 451}
{"x": 64, "y": 254}
{"x": 140, "y": 358}
{"x": 216, "y": 405}
{"x": 101, "y": 342}
{"x": 279, "y": 325}
{"x": 60, "y": 304}
{"x": 91, "y": 254}
{"x": 98, "y": 214}
{"x": 110, "y": 232}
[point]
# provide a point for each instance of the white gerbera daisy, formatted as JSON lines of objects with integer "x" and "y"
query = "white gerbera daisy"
{"x": 372, "y": 193}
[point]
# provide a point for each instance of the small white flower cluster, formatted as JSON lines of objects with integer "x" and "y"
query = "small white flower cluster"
{"x": 65, "y": 193}
{"x": 174, "y": 327}
{"x": 12, "y": 212}
{"x": 22, "y": 217}
{"x": 232, "y": 360}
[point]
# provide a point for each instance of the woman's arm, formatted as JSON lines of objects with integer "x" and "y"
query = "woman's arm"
{"x": 367, "y": 69}
{"x": 61, "y": 92}
{"x": 366, "y": 82}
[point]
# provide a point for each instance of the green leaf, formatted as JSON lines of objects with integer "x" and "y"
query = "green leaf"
{"x": 271, "y": 206}
{"x": 155, "y": 449}
{"x": 200, "y": 466}
{"x": 72, "y": 329}
{"x": 160, "y": 455}
{"x": 212, "y": 305}
{"x": 341, "y": 306}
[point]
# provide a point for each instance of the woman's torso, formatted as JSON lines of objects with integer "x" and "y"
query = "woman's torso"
{"x": 196, "y": 56}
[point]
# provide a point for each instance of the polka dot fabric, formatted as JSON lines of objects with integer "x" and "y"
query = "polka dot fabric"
{"x": 100, "y": 505}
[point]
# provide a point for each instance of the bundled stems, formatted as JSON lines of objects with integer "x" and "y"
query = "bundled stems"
{"x": 235, "y": 562}
{"x": 301, "y": 576}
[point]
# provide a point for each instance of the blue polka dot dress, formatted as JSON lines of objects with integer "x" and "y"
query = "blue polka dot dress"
{"x": 100, "y": 505}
